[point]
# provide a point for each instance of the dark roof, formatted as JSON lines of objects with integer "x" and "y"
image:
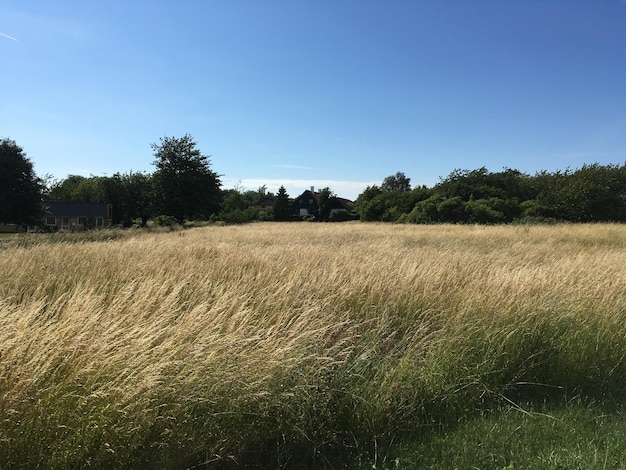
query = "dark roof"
{"x": 341, "y": 203}
{"x": 302, "y": 201}
{"x": 266, "y": 201}
{"x": 73, "y": 209}
{"x": 336, "y": 202}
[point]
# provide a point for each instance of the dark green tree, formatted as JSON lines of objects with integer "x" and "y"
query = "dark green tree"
{"x": 282, "y": 206}
{"x": 452, "y": 210}
{"x": 374, "y": 204}
{"x": 397, "y": 182}
{"x": 324, "y": 202}
{"x": 362, "y": 205}
{"x": 598, "y": 192}
{"x": 64, "y": 189}
{"x": 237, "y": 207}
{"x": 466, "y": 184}
{"x": 484, "y": 211}
{"x": 132, "y": 196}
{"x": 186, "y": 187}
{"x": 252, "y": 197}
{"x": 425, "y": 211}
{"x": 20, "y": 188}
{"x": 76, "y": 188}
{"x": 482, "y": 184}
{"x": 233, "y": 200}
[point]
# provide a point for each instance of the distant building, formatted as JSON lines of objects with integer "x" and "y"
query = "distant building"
{"x": 306, "y": 205}
{"x": 76, "y": 216}
{"x": 266, "y": 204}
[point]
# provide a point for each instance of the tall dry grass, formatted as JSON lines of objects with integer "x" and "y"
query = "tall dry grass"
{"x": 286, "y": 344}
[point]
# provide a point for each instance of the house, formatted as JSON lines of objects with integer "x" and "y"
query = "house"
{"x": 75, "y": 216}
{"x": 306, "y": 205}
{"x": 266, "y": 204}
{"x": 339, "y": 205}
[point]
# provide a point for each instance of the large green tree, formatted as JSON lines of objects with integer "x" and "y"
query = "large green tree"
{"x": 20, "y": 188}
{"x": 132, "y": 196}
{"x": 392, "y": 201}
{"x": 397, "y": 182}
{"x": 324, "y": 202}
{"x": 76, "y": 188}
{"x": 185, "y": 185}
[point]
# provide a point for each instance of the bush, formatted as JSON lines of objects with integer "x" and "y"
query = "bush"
{"x": 240, "y": 216}
{"x": 165, "y": 221}
{"x": 480, "y": 212}
{"x": 343, "y": 216}
{"x": 425, "y": 211}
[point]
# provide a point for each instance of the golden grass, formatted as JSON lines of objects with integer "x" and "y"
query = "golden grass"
{"x": 217, "y": 342}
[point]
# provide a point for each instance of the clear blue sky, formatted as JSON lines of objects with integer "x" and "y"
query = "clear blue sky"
{"x": 337, "y": 93}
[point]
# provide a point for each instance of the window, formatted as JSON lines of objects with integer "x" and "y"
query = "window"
{"x": 65, "y": 223}
{"x": 51, "y": 220}
{"x": 99, "y": 222}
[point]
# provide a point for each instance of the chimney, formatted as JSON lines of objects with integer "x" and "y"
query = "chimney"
{"x": 312, "y": 189}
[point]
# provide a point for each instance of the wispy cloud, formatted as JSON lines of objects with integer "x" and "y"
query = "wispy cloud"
{"x": 8, "y": 37}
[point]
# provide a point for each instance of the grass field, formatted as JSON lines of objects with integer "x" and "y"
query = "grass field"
{"x": 315, "y": 346}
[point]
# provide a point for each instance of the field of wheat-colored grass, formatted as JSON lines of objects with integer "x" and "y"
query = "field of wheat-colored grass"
{"x": 289, "y": 345}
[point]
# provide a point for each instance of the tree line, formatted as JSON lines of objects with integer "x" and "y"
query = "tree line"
{"x": 592, "y": 193}
{"x": 184, "y": 187}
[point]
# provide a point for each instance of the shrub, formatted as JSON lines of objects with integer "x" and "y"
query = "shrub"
{"x": 165, "y": 221}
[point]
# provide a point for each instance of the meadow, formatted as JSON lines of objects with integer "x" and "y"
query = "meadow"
{"x": 312, "y": 345}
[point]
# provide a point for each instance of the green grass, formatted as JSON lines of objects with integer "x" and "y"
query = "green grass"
{"x": 573, "y": 435}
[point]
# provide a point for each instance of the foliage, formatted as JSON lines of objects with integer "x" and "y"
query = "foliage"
{"x": 397, "y": 182}
{"x": 240, "y": 207}
{"x": 241, "y": 216}
{"x": 233, "y": 200}
{"x": 485, "y": 211}
{"x": 483, "y": 184}
{"x": 76, "y": 188}
{"x": 20, "y": 188}
{"x": 343, "y": 216}
{"x": 324, "y": 203}
{"x": 590, "y": 194}
{"x": 185, "y": 185}
{"x": 363, "y": 200}
{"x": 165, "y": 221}
{"x": 593, "y": 193}
{"x": 391, "y": 202}
{"x": 132, "y": 196}
{"x": 282, "y": 206}
{"x": 425, "y": 211}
